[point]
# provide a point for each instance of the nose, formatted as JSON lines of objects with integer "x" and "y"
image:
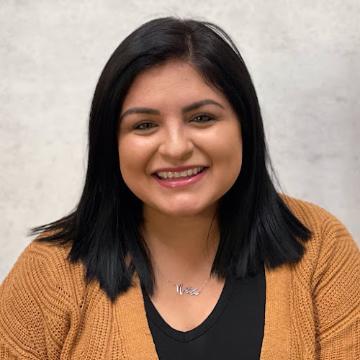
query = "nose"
{"x": 176, "y": 144}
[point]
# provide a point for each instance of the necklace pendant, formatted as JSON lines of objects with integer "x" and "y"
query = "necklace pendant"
{"x": 187, "y": 290}
{"x": 192, "y": 291}
{"x": 179, "y": 289}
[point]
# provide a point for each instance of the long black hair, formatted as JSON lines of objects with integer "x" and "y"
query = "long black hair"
{"x": 256, "y": 226}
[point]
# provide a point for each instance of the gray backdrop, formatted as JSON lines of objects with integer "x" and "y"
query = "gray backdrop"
{"x": 304, "y": 57}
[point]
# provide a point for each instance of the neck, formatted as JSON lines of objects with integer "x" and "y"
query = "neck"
{"x": 181, "y": 246}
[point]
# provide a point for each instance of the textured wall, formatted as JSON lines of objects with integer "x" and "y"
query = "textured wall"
{"x": 304, "y": 57}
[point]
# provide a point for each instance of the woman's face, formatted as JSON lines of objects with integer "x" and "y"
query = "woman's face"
{"x": 172, "y": 121}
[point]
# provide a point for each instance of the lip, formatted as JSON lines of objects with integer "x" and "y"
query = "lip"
{"x": 179, "y": 168}
{"x": 178, "y": 182}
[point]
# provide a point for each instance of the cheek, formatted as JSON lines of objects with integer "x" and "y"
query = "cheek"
{"x": 128, "y": 159}
{"x": 228, "y": 158}
{"x": 228, "y": 149}
{"x": 133, "y": 156}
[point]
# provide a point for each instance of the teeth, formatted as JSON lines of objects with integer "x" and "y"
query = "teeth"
{"x": 186, "y": 173}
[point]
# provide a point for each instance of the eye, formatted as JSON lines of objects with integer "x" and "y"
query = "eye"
{"x": 144, "y": 126}
{"x": 203, "y": 118}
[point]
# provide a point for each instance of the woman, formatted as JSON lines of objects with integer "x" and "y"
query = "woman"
{"x": 180, "y": 246}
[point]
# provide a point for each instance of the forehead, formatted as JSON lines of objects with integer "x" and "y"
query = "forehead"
{"x": 174, "y": 82}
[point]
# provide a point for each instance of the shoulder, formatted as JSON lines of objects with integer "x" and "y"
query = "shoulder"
{"x": 330, "y": 246}
{"x": 308, "y": 213}
{"x": 330, "y": 272}
{"x": 43, "y": 273}
{"x": 40, "y": 299}
{"x": 322, "y": 223}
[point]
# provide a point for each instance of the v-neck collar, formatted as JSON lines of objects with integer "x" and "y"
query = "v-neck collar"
{"x": 189, "y": 335}
{"x": 139, "y": 343}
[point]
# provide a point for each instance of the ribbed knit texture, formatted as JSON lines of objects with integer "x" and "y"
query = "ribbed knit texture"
{"x": 312, "y": 308}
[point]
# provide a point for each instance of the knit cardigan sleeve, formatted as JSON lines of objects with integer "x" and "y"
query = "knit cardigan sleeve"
{"x": 336, "y": 293}
{"x": 35, "y": 309}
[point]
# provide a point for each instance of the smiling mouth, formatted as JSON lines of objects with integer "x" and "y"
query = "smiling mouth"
{"x": 173, "y": 176}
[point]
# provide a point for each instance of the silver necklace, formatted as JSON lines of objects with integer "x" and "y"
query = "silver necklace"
{"x": 189, "y": 290}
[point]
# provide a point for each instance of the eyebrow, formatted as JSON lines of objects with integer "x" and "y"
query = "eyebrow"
{"x": 149, "y": 111}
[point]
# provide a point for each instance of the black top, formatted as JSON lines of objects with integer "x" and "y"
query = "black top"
{"x": 233, "y": 330}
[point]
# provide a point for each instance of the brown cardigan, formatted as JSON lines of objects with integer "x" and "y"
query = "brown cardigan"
{"x": 312, "y": 308}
